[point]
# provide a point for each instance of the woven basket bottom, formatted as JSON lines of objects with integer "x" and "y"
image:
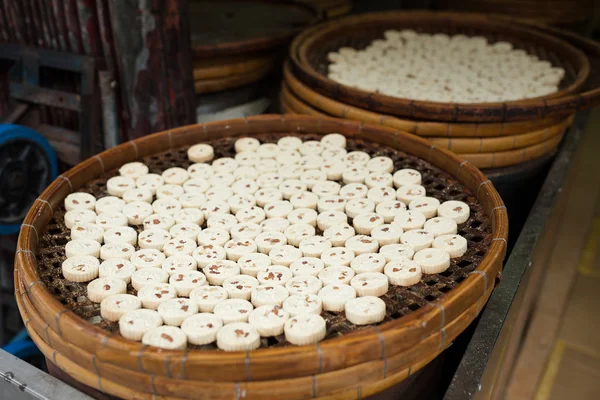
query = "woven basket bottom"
{"x": 400, "y": 301}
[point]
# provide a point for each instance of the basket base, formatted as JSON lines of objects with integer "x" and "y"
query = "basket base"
{"x": 424, "y": 384}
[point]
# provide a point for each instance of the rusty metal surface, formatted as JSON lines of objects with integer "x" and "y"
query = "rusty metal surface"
{"x": 152, "y": 49}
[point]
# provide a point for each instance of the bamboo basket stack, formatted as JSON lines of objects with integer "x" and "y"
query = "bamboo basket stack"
{"x": 333, "y": 8}
{"x": 489, "y": 135}
{"x": 349, "y": 365}
{"x": 238, "y": 42}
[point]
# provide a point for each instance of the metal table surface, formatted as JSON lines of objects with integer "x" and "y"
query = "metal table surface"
{"x": 468, "y": 377}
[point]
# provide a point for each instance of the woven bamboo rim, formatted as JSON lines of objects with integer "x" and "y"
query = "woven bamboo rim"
{"x": 224, "y": 67}
{"x": 338, "y": 384}
{"x": 457, "y": 145}
{"x": 251, "y": 46}
{"x": 472, "y": 149}
{"x": 513, "y": 157}
{"x": 353, "y": 26}
{"x": 220, "y": 84}
{"x": 316, "y": 101}
{"x": 363, "y": 356}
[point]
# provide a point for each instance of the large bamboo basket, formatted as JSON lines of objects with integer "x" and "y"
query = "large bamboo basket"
{"x": 304, "y": 98}
{"x": 309, "y": 50}
{"x": 483, "y": 152}
{"x": 235, "y": 35}
{"x": 344, "y": 366}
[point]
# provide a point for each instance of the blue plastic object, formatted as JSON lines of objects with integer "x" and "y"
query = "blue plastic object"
{"x": 21, "y": 346}
{"x": 11, "y": 134}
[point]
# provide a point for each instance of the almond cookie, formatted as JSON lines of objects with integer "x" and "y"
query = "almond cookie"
{"x": 150, "y": 181}
{"x": 337, "y": 256}
{"x": 169, "y": 191}
{"x": 365, "y": 310}
{"x": 305, "y": 329}
{"x": 197, "y": 185}
{"x": 432, "y": 261}
{"x": 364, "y": 223}
{"x": 179, "y": 263}
{"x": 393, "y": 252}
{"x": 201, "y": 328}
{"x": 361, "y": 244}
{"x": 387, "y": 234}
{"x": 240, "y": 336}
{"x": 304, "y": 200}
{"x": 134, "y": 324}
{"x": 338, "y": 234}
{"x": 334, "y": 275}
{"x": 207, "y": 297}
{"x": 137, "y": 211}
{"x": 300, "y": 304}
{"x": 179, "y": 245}
{"x": 120, "y": 268}
{"x": 378, "y": 179}
{"x": 244, "y": 231}
{"x": 368, "y": 262}
{"x": 389, "y": 208}
{"x": 408, "y": 193}
{"x": 81, "y": 268}
{"x": 354, "y": 191}
{"x": 303, "y": 285}
{"x": 133, "y": 169}
{"x": 205, "y": 254}
{"x": 147, "y": 258}
{"x": 333, "y": 168}
{"x": 154, "y": 294}
{"x": 407, "y": 176}
{"x": 275, "y": 224}
{"x": 87, "y": 231}
{"x": 418, "y": 239}
{"x": 82, "y": 247}
{"x": 267, "y": 195}
{"x": 246, "y": 144}
{"x": 79, "y": 217}
{"x": 331, "y": 218}
{"x": 214, "y": 236}
{"x": 200, "y": 153}
{"x": 186, "y": 281}
{"x": 409, "y": 220}
{"x": 303, "y": 216}
{"x": 200, "y": 170}
{"x": 334, "y": 140}
{"x": 112, "y": 308}
{"x": 159, "y": 221}
{"x": 185, "y": 229}
{"x": 278, "y": 209}
{"x": 153, "y": 238}
{"x": 289, "y": 143}
{"x": 251, "y": 264}
{"x": 274, "y": 275}
{"x": 313, "y": 176}
{"x": 284, "y": 255}
{"x": 456, "y": 210}
{"x": 240, "y": 286}
{"x": 175, "y": 311}
{"x": 111, "y": 220}
{"x": 193, "y": 201}
{"x": 334, "y": 153}
{"x": 253, "y": 214}
{"x": 224, "y": 164}
{"x": 116, "y": 250}
{"x": 106, "y": 204}
{"x": 335, "y": 296}
{"x": 237, "y": 248}
{"x": 217, "y": 271}
{"x": 370, "y": 284}
{"x": 214, "y": 207}
{"x": 101, "y": 288}
{"x": 307, "y": 266}
{"x": 165, "y": 337}
{"x": 289, "y": 187}
{"x": 239, "y": 201}
{"x": 219, "y": 193}
{"x": 454, "y": 245}
{"x": 298, "y": 232}
{"x": 233, "y": 310}
{"x": 269, "y": 294}
{"x": 148, "y": 276}
{"x": 331, "y": 203}
{"x": 221, "y": 221}
{"x": 118, "y": 185}
{"x": 291, "y": 171}
{"x": 356, "y": 158}
{"x": 403, "y": 272}
{"x": 138, "y": 194}
{"x": 266, "y": 241}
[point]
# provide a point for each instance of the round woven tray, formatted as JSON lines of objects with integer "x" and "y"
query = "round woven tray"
{"x": 235, "y": 27}
{"x": 230, "y": 66}
{"x": 351, "y": 363}
{"x": 229, "y": 82}
{"x": 308, "y": 54}
{"x": 482, "y": 152}
{"x": 307, "y": 101}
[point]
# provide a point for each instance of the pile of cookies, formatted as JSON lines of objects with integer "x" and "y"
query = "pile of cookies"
{"x": 442, "y": 68}
{"x": 233, "y": 249}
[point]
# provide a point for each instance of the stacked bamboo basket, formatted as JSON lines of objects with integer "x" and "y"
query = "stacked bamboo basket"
{"x": 344, "y": 366}
{"x": 238, "y": 42}
{"x": 489, "y": 135}
{"x": 333, "y": 8}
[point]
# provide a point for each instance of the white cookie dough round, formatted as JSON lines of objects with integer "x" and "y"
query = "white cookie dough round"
{"x": 207, "y": 297}
{"x": 335, "y": 296}
{"x": 112, "y": 308}
{"x": 240, "y": 336}
{"x": 116, "y": 250}
{"x": 82, "y": 247}
{"x": 148, "y": 276}
{"x": 186, "y": 281}
{"x": 82, "y": 268}
{"x": 300, "y": 304}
